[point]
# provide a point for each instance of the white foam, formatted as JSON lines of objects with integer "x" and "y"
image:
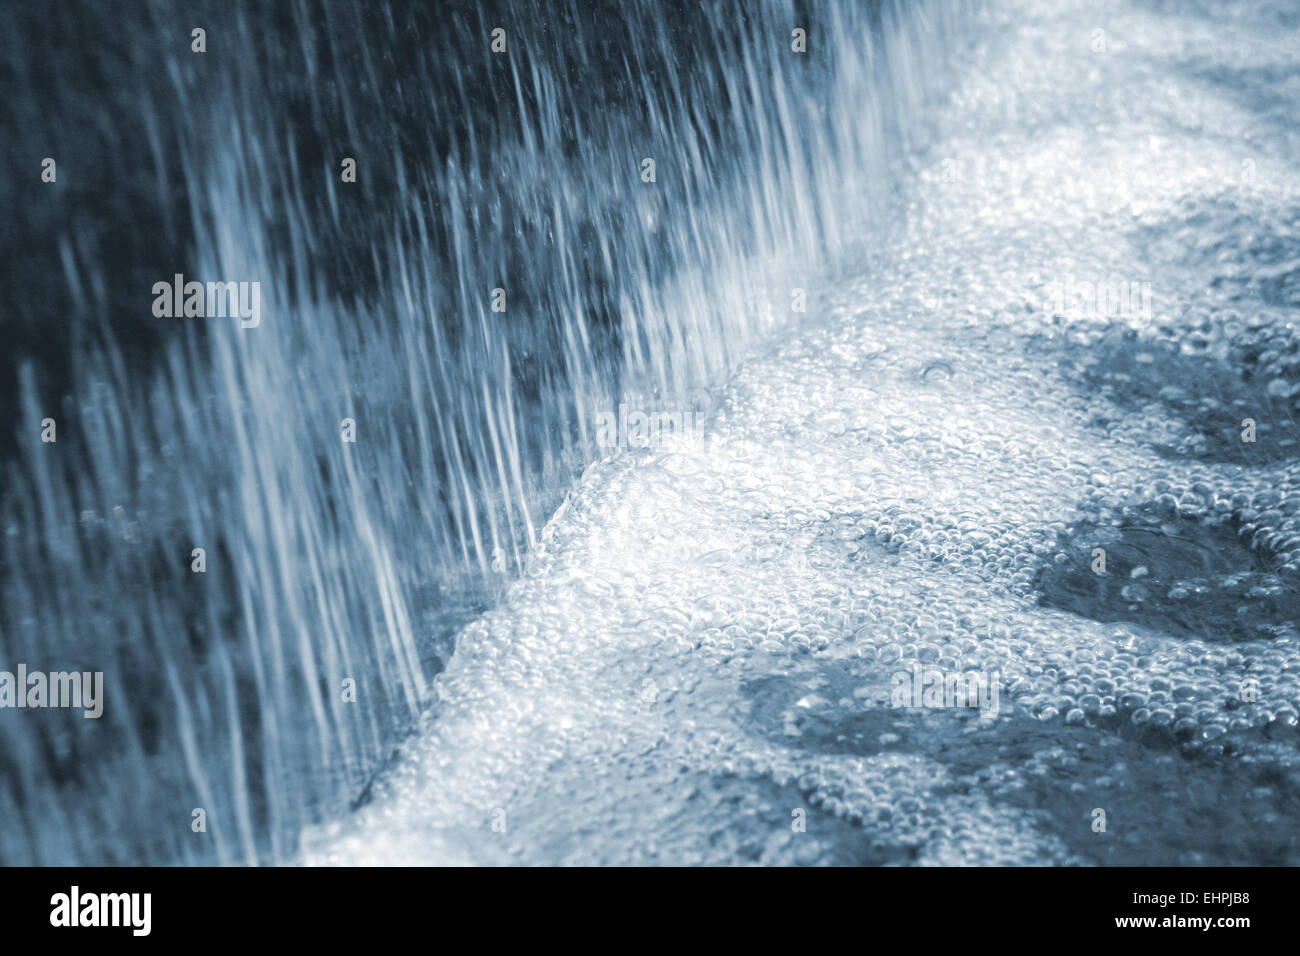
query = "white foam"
{"x": 675, "y": 679}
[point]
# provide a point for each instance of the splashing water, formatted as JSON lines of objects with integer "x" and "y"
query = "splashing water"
{"x": 699, "y": 665}
{"x": 268, "y": 689}
{"x": 1049, "y": 251}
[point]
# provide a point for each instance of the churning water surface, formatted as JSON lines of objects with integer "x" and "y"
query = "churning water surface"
{"x": 923, "y": 472}
{"x": 1036, "y": 425}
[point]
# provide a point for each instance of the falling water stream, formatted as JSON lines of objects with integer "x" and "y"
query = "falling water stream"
{"x": 961, "y": 299}
{"x": 920, "y": 473}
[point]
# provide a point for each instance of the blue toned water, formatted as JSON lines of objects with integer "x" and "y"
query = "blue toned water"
{"x": 268, "y": 690}
{"x": 1048, "y": 253}
{"x": 921, "y": 472}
